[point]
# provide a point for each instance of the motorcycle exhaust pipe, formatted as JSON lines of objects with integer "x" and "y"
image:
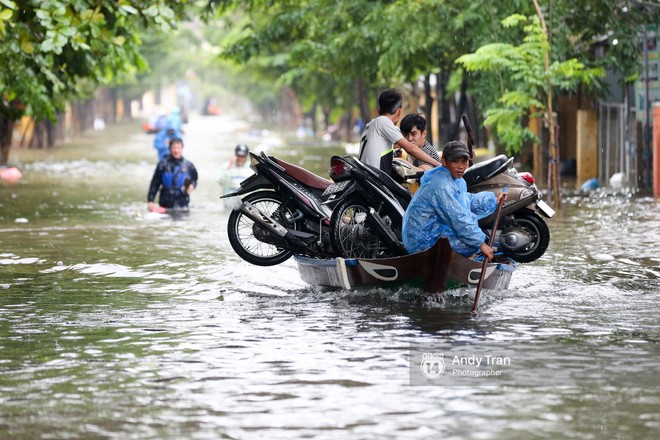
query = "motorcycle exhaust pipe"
{"x": 258, "y": 217}
{"x": 271, "y": 225}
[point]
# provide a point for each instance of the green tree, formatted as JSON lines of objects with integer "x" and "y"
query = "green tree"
{"x": 355, "y": 44}
{"x": 48, "y": 46}
{"x": 524, "y": 88}
{"x": 322, "y": 49}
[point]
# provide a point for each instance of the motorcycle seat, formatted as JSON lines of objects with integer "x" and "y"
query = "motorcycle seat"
{"x": 486, "y": 169}
{"x": 304, "y": 176}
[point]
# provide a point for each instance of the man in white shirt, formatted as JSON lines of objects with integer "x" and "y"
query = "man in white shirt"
{"x": 381, "y": 134}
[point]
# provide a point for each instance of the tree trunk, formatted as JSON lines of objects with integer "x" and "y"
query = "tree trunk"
{"x": 128, "y": 111}
{"x": 6, "y": 129}
{"x": 363, "y": 101}
{"x": 554, "y": 153}
{"x": 428, "y": 107}
{"x": 461, "y": 108}
{"x": 312, "y": 116}
{"x": 326, "y": 117}
{"x": 49, "y": 128}
{"x": 444, "y": 112}
{"x": 348, "y": 121}
{"x": 112, "y": 107}
{"x": 37, "y": 140}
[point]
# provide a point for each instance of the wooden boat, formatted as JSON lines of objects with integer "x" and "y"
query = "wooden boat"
{"x": 434, "y": 270}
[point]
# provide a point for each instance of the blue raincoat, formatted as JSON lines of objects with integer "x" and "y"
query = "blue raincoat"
{"x": 442, "y": 207}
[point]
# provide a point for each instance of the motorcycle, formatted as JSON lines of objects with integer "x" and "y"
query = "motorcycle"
{"x": 522, "y": 233}
{"x": 369, "y": 207}
{"x": 279, "y": 212}
{"x": 370, "y": 204}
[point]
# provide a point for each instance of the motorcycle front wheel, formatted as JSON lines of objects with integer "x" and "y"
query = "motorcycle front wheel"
{"x": 532, "y": 224}
{"x": 349, "y": 231}
{"x": 251, "y": 241}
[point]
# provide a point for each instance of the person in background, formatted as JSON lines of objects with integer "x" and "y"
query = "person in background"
{"x": 162, "y": 141}
{"x": 175, "y": 121}
{"x": 167, "y": 128}
{"x": 381, "y": 134}
{"x": 237, "y": 170}
{"x": 413, "y": 128}
{"x": 443, "y": 207}
{"x": 175, "y": 178}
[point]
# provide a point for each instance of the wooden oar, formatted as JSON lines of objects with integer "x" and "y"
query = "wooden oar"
{"x": 486, "y": 259}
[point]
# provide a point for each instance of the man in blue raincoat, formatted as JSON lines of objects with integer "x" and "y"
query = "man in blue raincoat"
{"x": 175, "y": 178}
{"x": 169, "y": 127}
{"x": 442, "y": 207}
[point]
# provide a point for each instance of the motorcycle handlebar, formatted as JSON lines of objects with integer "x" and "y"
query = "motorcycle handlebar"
{"x": 417, "y": 175}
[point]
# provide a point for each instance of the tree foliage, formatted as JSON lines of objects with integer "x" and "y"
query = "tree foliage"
{"x": 525, "y": 84}
{"x": 334, "y": 54}
{"x": 320, "y": 48}
{"x": 49, "y": 46}
{"x": 325, "y": 49}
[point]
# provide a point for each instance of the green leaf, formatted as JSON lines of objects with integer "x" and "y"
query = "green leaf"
{"x": 6, "y": 14}
{"x": 27, "y": 46}
{"x": 513, "y": 20}
{"x": 128, "y": 8}
{"x": 68, "y": 31}
{"x": 43, "y": 15}
{"x": 8, "y": 3}
{"x": 47, "y": 45}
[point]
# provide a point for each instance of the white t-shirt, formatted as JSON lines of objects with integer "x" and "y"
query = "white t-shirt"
{"x": 378, "y": 137}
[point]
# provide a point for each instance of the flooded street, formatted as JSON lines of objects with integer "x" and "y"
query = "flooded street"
{"x": 115, "y": 324}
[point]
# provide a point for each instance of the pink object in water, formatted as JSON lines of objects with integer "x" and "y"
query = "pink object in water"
{"x": 10, "y": 174}
{"x": 159, "y": 210}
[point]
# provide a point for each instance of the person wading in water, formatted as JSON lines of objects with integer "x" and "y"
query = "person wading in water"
{"x": 175, "y": 178}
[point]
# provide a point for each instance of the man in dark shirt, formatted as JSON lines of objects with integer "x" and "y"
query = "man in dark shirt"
{"x": 175, "y": 178}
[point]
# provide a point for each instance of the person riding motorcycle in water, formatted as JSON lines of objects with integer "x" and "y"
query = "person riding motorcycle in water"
{"x": 442, "y": 207}
{"x": 175, "y": 178}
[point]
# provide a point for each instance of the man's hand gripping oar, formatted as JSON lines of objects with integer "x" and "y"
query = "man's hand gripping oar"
{"x": 486, "y": 258}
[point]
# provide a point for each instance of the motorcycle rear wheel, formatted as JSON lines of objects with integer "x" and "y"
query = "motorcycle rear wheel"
{"x": 532, "y": 224}
{"x": 243, "y": 232}
{"x": 349, "y": 231}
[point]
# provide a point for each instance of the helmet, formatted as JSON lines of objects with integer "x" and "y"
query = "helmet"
{"x": 241, "y": 150}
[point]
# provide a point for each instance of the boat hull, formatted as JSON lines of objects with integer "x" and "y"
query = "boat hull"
{"x": 435, "y": 270}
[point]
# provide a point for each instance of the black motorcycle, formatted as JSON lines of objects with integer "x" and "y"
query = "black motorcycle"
{"x": 279, "y": 212}
{"x": 368, "y": 218}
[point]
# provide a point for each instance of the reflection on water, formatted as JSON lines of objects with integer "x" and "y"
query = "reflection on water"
{"x": 118, "y": 324}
